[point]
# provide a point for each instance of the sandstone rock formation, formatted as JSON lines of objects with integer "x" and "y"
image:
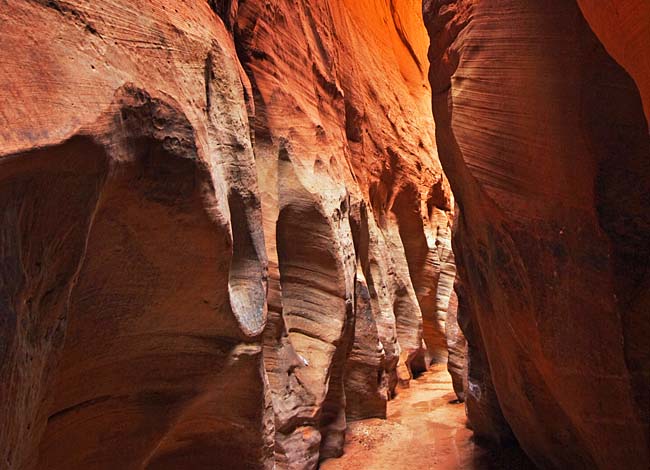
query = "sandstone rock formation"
{"x": 133, "y": 301}
{"x": 366, "y": 379}
{"x": 225, "y": 230}
{"x": 457, "y": 349}
{"x": 345, "y": 179}
{"x": 543, "y": 138}
{"x": 623, "y": 26}
{"x": 219, "y": 219}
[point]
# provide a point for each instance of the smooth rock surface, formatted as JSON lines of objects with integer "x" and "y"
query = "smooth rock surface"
{"x": 198, "y": 198}
{"x": 132, "y": 300}
{"x": 623, "y": 26}
{"x": 456, "y": 349}
{"x": 543, "y": 137}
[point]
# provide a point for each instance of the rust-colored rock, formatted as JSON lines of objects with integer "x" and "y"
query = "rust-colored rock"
{"x": 543, "y": 137}
{"x": 132, "y": 300}
{"x": 623, "y": 26}
{"x": 344, "y": 176}
{"x": 457, "y": 349}
{"x": 225, "y": 230}
{"x": 198, "y": 198}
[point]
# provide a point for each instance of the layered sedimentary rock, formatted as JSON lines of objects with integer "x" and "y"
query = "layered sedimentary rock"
{"x": 543, "y": 137}
{"x": 132, "y": 300}
{"x": 457, "y": 349}
{"x": 218, "y": 217}
{"x": 446, "y": 267}
{"x": 344, "y": 153}
{"x": 366, "y": 383}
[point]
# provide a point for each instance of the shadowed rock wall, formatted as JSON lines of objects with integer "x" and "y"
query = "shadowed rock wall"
{"x": 623, "y": 26}
{"x": 544, "y": 140}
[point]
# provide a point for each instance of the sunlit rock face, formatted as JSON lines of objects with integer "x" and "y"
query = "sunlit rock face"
{"x": 353, "y": 201}
{"x": 543, "y": 137}
{"x": 219, "y": 219}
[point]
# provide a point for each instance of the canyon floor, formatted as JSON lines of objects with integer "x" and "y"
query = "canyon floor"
{"x": 425, "y": 429}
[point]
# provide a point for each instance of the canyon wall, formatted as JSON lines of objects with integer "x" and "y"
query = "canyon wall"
{"x": 352, "y": 201}
{"x": 544, "y": 140}
{"x": 623, "y": 26}
{"x": 223, "y": 228}
{"x": 133, "y": 274}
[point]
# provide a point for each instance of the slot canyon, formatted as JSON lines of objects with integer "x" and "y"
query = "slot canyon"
{"x": 346, "y": 234}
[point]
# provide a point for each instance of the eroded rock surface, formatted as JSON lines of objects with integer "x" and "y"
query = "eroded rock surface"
{"x": 219, "y": 218}
{"x": 543, "y": 137}
{"x": 346, "y": 165}
{"x": 457, "y": 349}
{"x": 134, "y": 303}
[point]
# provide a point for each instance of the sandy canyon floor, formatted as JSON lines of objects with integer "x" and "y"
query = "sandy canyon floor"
{"x": 425, "y": 429}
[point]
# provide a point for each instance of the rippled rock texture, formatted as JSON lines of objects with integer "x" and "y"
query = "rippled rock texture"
{"x": 543, "y": 137}
{"x": 219, "y": 218}
{"x": 457, "y": 349}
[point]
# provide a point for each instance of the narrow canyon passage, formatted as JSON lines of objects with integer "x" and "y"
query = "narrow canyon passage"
{"x": 425, "y": 428}
{"x": 247, "y": 234}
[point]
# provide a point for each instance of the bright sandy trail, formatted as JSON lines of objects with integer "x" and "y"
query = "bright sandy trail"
{"x": 424, "y": 430}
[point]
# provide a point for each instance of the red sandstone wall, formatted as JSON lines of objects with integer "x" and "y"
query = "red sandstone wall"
{"x": 198, "y": 199}
{"x": 344, "y": 148}
{"x": 543, "y": 137}
{"x": 133, "y": 281}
